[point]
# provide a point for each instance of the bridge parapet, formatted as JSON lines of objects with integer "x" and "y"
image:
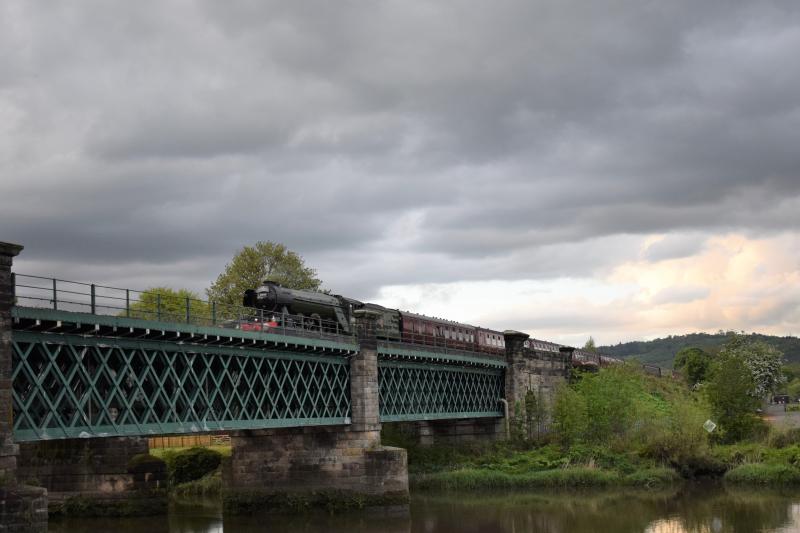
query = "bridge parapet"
{"x": 73, "y": 301}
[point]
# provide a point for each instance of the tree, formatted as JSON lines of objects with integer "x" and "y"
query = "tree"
{"x": 730, "y": 394}
{"x": 163, "y": 303}
{"x": 694, "y": 363}
{"x": 263, "y": 261}
{"x": 590, "y": 346}
{"x": 764, "y": 362}
{"x": 535, "y": 414}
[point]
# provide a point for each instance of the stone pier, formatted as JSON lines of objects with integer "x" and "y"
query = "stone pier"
{"x": 22, "y": 508}
{"x": 97, "y": 476}
{"x": 335, "y": 466}
{"x": 451, "y": 432}
{"x": 535, "y": 371}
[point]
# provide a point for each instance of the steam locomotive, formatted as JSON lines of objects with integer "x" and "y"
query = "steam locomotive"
{"x": 281, "y": 307}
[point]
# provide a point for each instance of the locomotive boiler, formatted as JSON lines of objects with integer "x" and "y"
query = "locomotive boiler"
{"x": 302, "y": 309}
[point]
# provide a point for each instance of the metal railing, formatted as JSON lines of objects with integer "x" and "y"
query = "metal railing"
{"x": 75, "y": 296}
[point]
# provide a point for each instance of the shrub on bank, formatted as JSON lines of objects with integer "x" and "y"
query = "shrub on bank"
{"x": 652, "y": 477}
{"x": 764, "y": 474}
{"x": 191, "y": 464}
{"x": 208, "y": 485}
{"x": 471, "y": 478}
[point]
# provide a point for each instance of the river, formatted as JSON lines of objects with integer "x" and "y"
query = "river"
{"x": 693, "y": 508}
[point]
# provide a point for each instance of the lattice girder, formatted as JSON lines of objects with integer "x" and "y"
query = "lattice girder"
{"x": 69, "y": 386}
{"x": 419, "y": 391}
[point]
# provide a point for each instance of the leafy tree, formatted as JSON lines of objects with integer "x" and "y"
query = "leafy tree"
{"x": 168, "y": 304}
{"x": 764, "y": 362}
{"x": 535, "y": 414}
{"x": 730, "y": 394}
{"x": 263, "y": 261}
{"x": 793, "y": 388}
{"x": 693, "y": 363}
{"x": 590, "y": 346}
{"x": 570, "y": 416}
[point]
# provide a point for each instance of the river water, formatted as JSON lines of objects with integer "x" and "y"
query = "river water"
{"x": 693, "y": 508}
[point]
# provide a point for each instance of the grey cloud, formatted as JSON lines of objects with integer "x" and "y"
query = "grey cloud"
{"x": 674, "y": 247}
{"x": 532, "y": 140}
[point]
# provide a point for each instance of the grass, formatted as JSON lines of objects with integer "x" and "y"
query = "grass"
{"x": 166, "y": 453}
{"x": 763, "y": 474}
{"x": 209, "y": 485}
{"x": 576, "y": 476}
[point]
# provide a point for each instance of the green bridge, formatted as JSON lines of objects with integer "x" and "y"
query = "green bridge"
{"x": 78, "y": 374}
{"x": 88, "y": 372}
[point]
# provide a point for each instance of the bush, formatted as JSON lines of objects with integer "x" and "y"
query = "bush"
{"x": 764, "y": 474}
{"x": 470, "y": 478}
{"x": 192, "y": 464}
{"x": 208, "y": 485}
{"x": 781, "y": 437}
{"x": 145, "y": 463}
{"x": 652, "y": 477}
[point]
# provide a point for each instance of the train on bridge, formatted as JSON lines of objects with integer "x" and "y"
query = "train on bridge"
{"x": 281, "y": 307}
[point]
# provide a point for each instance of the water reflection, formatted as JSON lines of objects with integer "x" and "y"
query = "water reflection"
{"x": 689, "y": 509}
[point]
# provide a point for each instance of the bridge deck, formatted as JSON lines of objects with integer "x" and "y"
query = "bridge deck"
{"x": 70, "y": 322}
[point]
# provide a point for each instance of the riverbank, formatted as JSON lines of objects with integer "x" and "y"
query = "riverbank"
{"x": 773, "y": 460}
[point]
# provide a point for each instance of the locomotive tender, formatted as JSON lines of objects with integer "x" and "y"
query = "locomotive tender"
{"x": 293, "y": 308}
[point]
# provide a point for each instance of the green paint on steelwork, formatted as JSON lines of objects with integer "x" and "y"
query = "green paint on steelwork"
{"x": 239, "y": 351}
{"x": 415, "y": 391}
{"x": 70, "y": 317}
{"x": 66, "y": 386}
{"x": 421, "y": 353}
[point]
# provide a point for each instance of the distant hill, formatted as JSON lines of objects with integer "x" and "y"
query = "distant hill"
{"x": 661, "y": 351}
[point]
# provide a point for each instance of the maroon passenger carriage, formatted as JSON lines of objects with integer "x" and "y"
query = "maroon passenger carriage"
{"x": 432, "y": 331}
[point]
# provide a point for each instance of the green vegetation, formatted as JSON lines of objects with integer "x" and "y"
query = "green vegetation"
{"x": 190, "y": 464}
{"x": 253, "y": 264}
{"x": 621, "y": 426}
{"x": 730, "y": 394}
{"x": 163, "y": 303}
{"x": 764, "y": 474}
{"x": 662, "y": 351}
{"x": 250, "y": 501}
{"x": 152, "y": 504}
{"x": 590, "y": 346}
{"x": 210, "y": 485}
{"x": 693, "y": 363}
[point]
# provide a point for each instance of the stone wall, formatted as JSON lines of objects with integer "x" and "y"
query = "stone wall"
{"x": 8, "y": 450}
{"x": 80, "y": 465}
{"x": 324, "y": 458}
{"x": 451, "y": 432}
{"x": 23, "y": 509}
{"x": 531, "y": 370}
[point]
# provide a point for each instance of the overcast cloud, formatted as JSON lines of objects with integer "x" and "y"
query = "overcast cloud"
{"x": 555, "y": 161}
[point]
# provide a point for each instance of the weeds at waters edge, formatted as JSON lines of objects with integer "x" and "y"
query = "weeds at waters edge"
{"x": 764, "y": 474}
{"x": 471, "y": 479}
{"x": 209, "y": 485}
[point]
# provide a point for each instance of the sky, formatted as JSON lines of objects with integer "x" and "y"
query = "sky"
{"x": 625, "y": 169}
